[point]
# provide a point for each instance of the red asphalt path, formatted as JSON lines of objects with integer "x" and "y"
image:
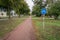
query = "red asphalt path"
{"x": 24, "y": 31}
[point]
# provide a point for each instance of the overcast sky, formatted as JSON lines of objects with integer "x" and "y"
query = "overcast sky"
{"x": 30, "y": 4}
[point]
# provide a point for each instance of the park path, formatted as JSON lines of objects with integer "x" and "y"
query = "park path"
{"x": 24, "y": 31}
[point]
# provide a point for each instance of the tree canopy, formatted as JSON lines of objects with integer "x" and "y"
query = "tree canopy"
{"x": 20, "y": 6}
{"x": 54, "y": 9}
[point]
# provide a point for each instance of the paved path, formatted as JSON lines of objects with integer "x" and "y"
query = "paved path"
{"x": 24, "y": 31}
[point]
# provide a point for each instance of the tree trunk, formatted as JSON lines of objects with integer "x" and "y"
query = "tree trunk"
{"x": 18, "y": 13}
{"x": 19, "y": 16}
{"x": 9, "y": 13}
{"x": 56, "y": 17}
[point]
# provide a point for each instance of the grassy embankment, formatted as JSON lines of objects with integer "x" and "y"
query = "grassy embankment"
{"x": 8, "y": 25}
{"x": 51, "y": 31}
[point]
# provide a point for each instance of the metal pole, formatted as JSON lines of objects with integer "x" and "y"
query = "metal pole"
{"x": 43, "y": 22}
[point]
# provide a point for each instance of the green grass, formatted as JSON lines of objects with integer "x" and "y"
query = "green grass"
{"x": 8, "y": 25}
{"x": 51, "y": 31}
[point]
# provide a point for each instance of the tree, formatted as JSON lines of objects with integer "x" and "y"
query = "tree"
{"x": 55, "y": 9}
{"x": 20, "y": 6}
{"x": 24, "y": 9}
{"x": 36, "y": 11}
{"x": 7, "y": 4}
{"x": 38, "y": 6}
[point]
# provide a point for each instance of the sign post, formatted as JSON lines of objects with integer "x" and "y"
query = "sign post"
{"x": 43, "y": 12}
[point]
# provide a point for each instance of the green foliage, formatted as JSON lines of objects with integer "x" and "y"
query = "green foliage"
{"x": 51, "y": 31}
{"x": 36, "y": 10}
{"x": 24, "y": 8}
{"x": 20, "y": 6}
{"x": 7, "y": 4}
{"x": 55, "y": 9}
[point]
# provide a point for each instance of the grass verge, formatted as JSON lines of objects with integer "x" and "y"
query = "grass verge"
{"x": 8, "y": 25}
{"x": 51, "y": 31}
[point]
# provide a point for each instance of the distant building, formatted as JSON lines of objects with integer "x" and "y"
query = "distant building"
{"x": 13, "y": 13}
{"x": 3, "y": 13}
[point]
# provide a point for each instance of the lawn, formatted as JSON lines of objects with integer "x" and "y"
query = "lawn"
{"x": 8, "y": 25}
{"x": 51, "y": 31}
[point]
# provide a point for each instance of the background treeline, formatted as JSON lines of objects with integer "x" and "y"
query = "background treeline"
{"x": 52, "y": 6}
{"x": 19, "y": 6}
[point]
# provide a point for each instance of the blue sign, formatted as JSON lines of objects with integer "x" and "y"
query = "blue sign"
{"x": 43, "y": 11}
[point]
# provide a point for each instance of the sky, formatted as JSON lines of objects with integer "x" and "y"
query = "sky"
{"x": 30, "y": 4}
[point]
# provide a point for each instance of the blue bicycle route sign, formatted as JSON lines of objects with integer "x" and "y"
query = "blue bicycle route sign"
{"x": 43, "y": 11}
